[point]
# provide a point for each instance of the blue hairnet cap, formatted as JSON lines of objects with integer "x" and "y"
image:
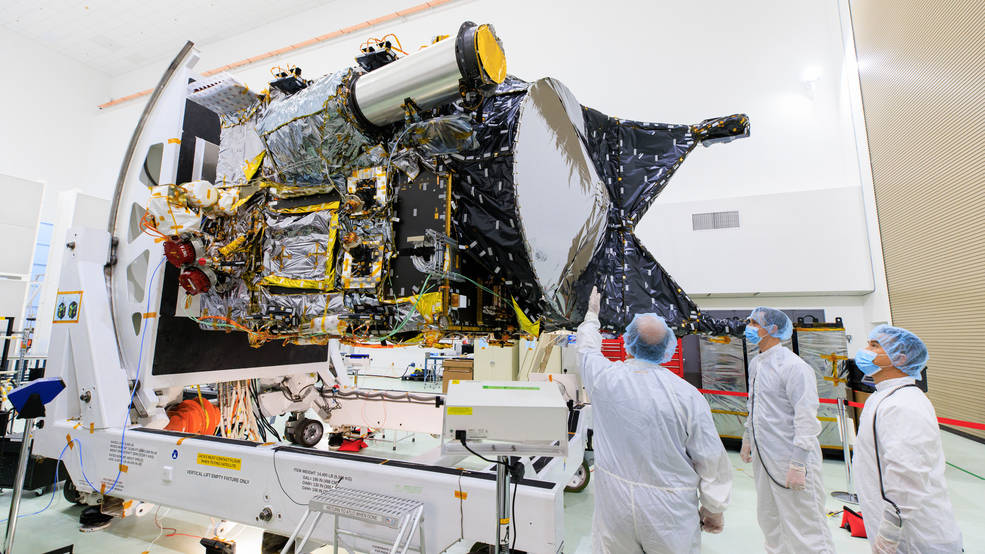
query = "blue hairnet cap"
{"x": 776, "y": 323}
{"x": 649, "y": 338}
{"x": 907, "y": 352}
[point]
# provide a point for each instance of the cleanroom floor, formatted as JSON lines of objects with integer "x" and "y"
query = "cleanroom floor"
{"x": 58, "y": 526}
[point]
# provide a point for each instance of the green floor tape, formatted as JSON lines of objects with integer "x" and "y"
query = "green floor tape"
{"x": 965, "y": 470}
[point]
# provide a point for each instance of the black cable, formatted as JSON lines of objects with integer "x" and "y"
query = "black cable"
{"x": 461, "y": 508}
{"x": 513, "y": 514}
{"x": 280, "y": 484}
{"x": 474, "y": 453}
{"x": 875, "y": 443}
{"x": 260, "y": 428}
{"x": 259, "y": 411}
{"x": 299, "y": 397}
{"x": 270, "y": 427}
{"x": 752, "y": 428}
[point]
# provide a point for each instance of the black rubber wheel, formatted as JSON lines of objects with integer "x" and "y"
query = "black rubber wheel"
{"x": 307, "y": 432}
{"x": 92, "y": 519}
{"x": 580, "y": 479}
{"x": 71, "y": 493}
{"x": 272, "y": 543}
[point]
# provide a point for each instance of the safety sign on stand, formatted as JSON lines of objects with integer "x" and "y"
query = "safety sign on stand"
{"x": 68, "y": 305}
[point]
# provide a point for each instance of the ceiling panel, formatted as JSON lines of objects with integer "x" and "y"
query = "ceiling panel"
{"x": 116, "y": 37}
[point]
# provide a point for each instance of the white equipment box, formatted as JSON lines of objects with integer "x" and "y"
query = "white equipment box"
{"x": 495, "y": 363}
{"x": 505, "y": 418}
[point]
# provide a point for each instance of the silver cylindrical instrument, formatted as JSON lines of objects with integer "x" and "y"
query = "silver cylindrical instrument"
{"x": 431, "y": 76}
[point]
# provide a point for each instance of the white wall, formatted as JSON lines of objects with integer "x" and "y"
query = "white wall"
{"x": 789, "y": 65}
{"x": 787, "y": 243}
{"x": 19, "y": 226}
{"x": 49, "y": 111}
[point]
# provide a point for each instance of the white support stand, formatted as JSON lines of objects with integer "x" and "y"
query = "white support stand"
{"x": 15, "y": 499}
{"x": 342, "y": 376}
{"x": 502, "y": 505}
{"x": 845, "y": 496}
{"x": 90, "y": 367}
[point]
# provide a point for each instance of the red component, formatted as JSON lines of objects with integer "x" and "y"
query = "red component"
{"x": 615, "y": 350}
{"x": 179, "y": 252}
{"x": 194, "y": 281}
{"x": 200, "y": 417}
{"x": 354, "y": 445}
{"x": 853, "y": 521}
{"x": 676, "y": 364}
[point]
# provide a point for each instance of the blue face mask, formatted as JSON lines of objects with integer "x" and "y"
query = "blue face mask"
{"x": 864, "y": 362}
{"x": 752, "y": 335}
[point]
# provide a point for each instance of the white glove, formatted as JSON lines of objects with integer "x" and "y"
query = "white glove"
{"x": 882, "y": 545}
{"x": 710, "y": 522}
{"x": 595, "y": 301}
{"x": 746, "y": 451}
{"x": 796, "y": 476}
{"x": 887, "y": 538}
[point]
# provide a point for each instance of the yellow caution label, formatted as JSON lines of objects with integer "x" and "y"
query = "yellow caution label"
{"x": 459, "y": 410}
{"x": 214, "y": 460}
{"x": 504, "y": 521}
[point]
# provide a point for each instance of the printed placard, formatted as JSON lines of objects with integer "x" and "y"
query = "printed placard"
{"x": 68, "y": 306}
{"x": 214, "y": 460}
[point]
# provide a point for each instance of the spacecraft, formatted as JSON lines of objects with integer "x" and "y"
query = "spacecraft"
{"x": 412, "y": 197}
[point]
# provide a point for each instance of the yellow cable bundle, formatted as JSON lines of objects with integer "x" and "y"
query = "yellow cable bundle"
{"x": 202, "y": 402}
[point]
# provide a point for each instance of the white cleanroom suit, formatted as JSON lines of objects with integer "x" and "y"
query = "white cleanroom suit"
{"x": 657, "y": 454}
{"x": 782, "y": 429}
{"x": 912, "y": 463}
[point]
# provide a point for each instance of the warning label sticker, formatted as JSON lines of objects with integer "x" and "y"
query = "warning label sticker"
{"x": 132, "y": 455}
{"x": 214, "y": 460}
{"x": 319, "y": 481}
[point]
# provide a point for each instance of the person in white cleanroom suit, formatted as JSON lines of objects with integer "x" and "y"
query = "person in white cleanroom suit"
{"x": 780, "y": 439}
{"x": 657, "y": 453}
{"x": 911, "y": 511}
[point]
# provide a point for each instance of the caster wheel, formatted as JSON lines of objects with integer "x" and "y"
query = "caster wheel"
{"x": 91, "y": 519}
{"x": 71, "y": 493}
{"x": 580, "y": 479}
{"x": 305, "y": 432}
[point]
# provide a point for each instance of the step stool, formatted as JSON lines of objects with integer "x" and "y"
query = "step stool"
{"x": 402, "y": 514}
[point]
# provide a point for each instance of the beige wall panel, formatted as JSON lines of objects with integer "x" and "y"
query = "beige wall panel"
{"x": 922, "y": 71}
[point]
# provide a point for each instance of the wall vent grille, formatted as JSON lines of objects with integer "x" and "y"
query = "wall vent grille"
{"x": 714, "y": 220}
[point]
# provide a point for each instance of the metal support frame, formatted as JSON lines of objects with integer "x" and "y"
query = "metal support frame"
{"x": 845, "y": 496}
{"x": 15, "y": 500}
{"x": 502, "y": 505}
